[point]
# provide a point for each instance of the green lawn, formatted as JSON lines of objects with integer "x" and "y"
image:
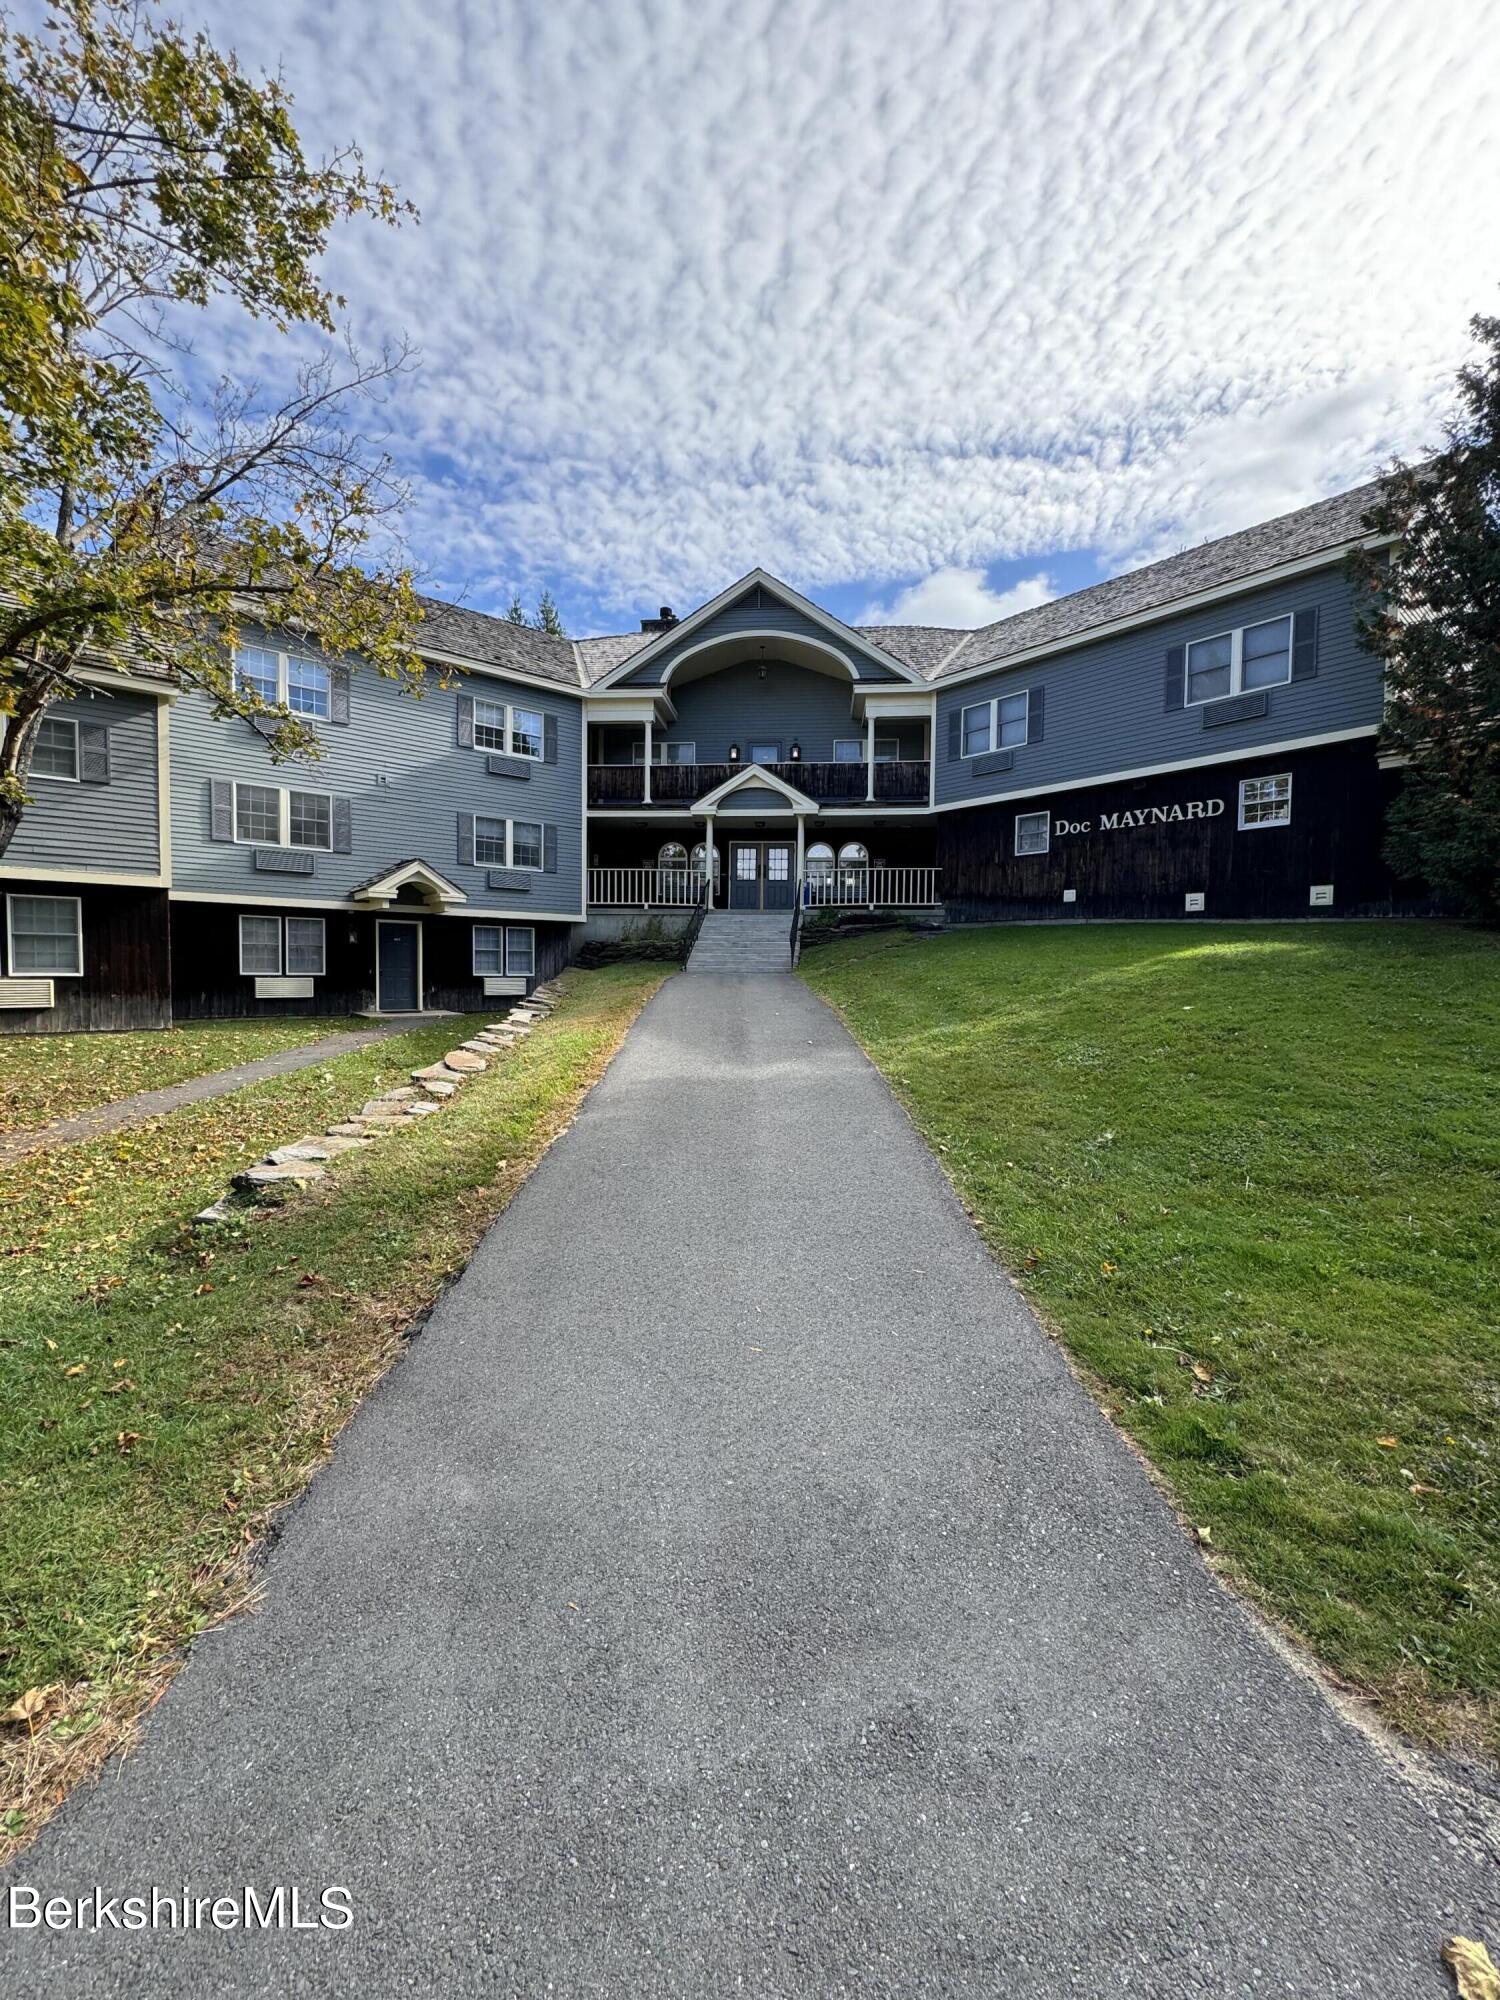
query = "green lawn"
{"x": 1251, "y": 1176}
{"x": 165, "y": 1392}
{"x": 43, "y": 1077}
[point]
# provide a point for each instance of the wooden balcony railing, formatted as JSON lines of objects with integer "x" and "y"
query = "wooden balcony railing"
{"x": 871, "y": 888}
{"x": 897, "y": 783}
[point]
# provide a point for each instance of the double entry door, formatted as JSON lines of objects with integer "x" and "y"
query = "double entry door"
{"x": 761, "y": 874}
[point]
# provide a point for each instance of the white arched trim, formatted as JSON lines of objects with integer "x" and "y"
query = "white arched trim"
{"x": 799, "y": 649}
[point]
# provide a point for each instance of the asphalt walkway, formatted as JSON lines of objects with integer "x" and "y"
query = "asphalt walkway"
{"x": 733, "y": 1593}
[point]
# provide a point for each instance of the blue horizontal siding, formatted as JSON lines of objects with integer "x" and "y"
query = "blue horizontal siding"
{"x": 398, "y": 763}
{"x": 113, "y": 827}
{"x": 1104, "y": 701}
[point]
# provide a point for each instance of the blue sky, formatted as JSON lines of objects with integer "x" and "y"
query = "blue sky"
{"x": 933, "y": 311}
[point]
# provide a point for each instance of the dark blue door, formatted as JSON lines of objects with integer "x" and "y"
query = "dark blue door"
{"x": 397, "y": 946}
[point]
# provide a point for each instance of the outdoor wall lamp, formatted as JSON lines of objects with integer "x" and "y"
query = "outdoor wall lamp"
{"x": 734, "y": 753}
{"x": 796, "y": 753}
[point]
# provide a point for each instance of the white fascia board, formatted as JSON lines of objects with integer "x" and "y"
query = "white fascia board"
{"x": 758, "y": 776}
{"x": 1172, "y": 608}
{"x": 631, "y": 705}
{"x": 1260, "y": 750}
{"x": 85, "y": 878}
{"x": 117, "y": 678}
{"x": 484, "y": 911}
{"x": 487, "y": 671}
{"x": 916, "y": 704}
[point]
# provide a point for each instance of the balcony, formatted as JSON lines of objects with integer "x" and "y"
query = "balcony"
{"x": 901, "y": 782}
{"x": 833, "y": 888}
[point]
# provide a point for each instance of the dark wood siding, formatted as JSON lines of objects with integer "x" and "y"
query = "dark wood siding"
{"x": 1339, "y": 801}
{"x": 127, "y": 981}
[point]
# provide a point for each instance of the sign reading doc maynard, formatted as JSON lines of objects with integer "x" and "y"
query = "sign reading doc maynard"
{"x": 1128, "y": 820}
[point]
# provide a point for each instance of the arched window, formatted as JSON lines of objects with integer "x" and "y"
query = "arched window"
{"x": 698, "y": 861}
{"x": 819, "y": 861}
{"x": 854, "y": 854}
{"x": 673, "y": 856}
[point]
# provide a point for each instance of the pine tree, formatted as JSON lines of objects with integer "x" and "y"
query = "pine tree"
{"x": 517, "y": 611}
{"x": 548, "y": 617}
{"x": 1430, "y": 608}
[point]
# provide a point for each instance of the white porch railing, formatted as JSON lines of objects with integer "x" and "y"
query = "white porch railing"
{"x": 644, "y": 888}
{"x": 871, "y": 888}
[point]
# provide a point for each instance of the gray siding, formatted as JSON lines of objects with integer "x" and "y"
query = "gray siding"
{"x": 112, "y": 827}
{"x": 399, "y": 764}
{"x": 1105, "y": 701}
{"x": 754, "y": 799}
{"x": 792, "y": 704}
{"x": 767, "y": 616}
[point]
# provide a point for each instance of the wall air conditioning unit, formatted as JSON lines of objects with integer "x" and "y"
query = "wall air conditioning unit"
{"x": 28, "y": 993}
{"x": 283, "y": 989}
{"x": 496, "y": 987}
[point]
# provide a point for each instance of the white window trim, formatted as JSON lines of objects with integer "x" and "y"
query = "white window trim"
{"x": 892, "y": 743}
{"x": 62, "y": 777}
{"x": 284, "y": 817}
{"x": 1236, "y": 638}
{"x": 507, "y": 709}
{"x": 993, "y": 705}
{"x": 286, "y": 948}
{"x": 283, "y": 687}
{"x": 515, "y": 930}
{"x": 259, "y": 971}
{"x": 1030, "y": 853}
{"x": 526, "y": 867}
{"x": 486, "y": 971}
{"x": 1262, "y": 825}
{"x": 36, "y": 972}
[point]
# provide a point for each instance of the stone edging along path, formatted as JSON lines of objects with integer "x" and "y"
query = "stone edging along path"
{"x": 306, "y": 1159}
{"x": 135, "y": 1110}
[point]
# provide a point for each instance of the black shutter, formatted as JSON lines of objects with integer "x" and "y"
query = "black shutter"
{"x": 549, "y": 850}
{"x": 1036, "y": 714}
{"x": 338, "y": 695}
{"x": 93, "y": 753}
{"x": 956, "y": 733}
{"x": 466, "y": 832}
{"x": 466, "y": 722}
{"x": 1305, "y": 645}
{"x": 1174, "y": 694}
{"x": 343, "y": 827}
{"x": 220, "y": 809}
{"x": 549, "y": 739}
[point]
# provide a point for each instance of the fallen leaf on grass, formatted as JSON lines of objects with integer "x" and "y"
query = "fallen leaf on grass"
{"x": 1418, "y": 1487}
{"x": 30, "y": 1707}
{"x": 312, "y": 1278}
{"x": 78, "y": 1368}
{"x": 1473, "y": 1969}
{"x": 125, "y": 1440}
{"x": 1202, "y": 1372}
{"x": 1387, "y": 1444}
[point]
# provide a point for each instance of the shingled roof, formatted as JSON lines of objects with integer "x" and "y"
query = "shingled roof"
{"x": 495, "y": 642}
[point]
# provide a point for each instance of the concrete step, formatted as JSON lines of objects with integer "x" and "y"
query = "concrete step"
{"x": 736, "y": 943}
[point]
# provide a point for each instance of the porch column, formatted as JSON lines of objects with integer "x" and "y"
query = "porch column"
{"x": 801, "y": 849}
{"x": 869, "y": 756}
{"x": 646, "y": 792}
{"x": 708, "y": 859}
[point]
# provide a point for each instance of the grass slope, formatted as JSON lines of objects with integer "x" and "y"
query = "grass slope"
{"x": 165, "y": 1393}
{"x": 1250, "y": 1177}
{"x": 44, "y": 1077}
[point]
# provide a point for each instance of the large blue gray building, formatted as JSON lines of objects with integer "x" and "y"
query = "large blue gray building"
{"x": 1195, "y": 738}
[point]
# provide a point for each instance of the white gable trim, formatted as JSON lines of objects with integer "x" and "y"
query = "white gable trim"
{"x": 763, "y": 579}
{"x": 761, "y": 779}
{"x": 385, "y": 887}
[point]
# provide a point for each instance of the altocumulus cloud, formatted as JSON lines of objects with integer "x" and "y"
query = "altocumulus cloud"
{"x": 870, "y": 292}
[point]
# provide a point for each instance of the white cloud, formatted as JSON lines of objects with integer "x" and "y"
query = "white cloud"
{"x": 959, "y": 597}
{"x": 864, "y": 292}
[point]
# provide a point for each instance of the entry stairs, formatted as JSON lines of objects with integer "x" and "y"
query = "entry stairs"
{"x": 740, "y": 942}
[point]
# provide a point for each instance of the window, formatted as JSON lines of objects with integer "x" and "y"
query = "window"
{"x": 488, "y": 949}
{"x": 45, "y": 934}
{"x": 851, "y": 750}
{"x": 310, "y": 820}
{"x": 1033, "y": 833}
{"x": 995, "y": 725}
{"x": 525, "y": 843}
{"x": 489, "y": 725}
{"x": 305, "y": 946}
{"x": 765, "y": 753}
{"x": 1266, "y": 801}
{"x": 520, "y": 951}
{"x": 55, "y": 754}
{"x": 525, "y": 732}
{"x": 271, "y": 945}
{"x": 674, "y": 753}
{"x": 1238, "y": 662}
{"x": 698, "y": 858}
{"x": 489, "y": 842}
{"x": 819, "y": 861}
{"x": 286, "y": 680}
{"x": 520, "y": 732}
{"x": 257, "y": 815}
{"x": 854, "y": 854}
{"x": 674, "y": 856}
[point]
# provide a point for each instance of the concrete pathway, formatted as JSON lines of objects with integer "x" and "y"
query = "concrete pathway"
{"x": 152, "y": 1103}
{"x": 733, "y": 1593}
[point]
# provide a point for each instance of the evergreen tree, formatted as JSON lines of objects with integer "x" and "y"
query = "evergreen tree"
{"x": 548, "y": 617}
{"x": 517, "y": 611}
{"x": 1430, "y": 608}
